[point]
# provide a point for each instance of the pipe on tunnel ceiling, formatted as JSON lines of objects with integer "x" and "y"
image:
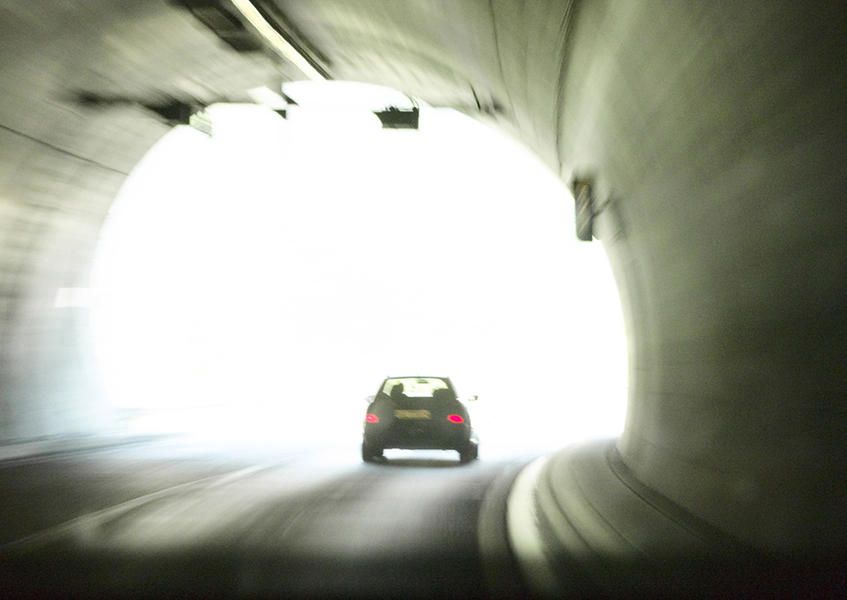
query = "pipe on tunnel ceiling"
{"x": 279, "y": 42}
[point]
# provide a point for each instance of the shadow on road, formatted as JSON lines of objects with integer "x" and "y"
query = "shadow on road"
{"x": 444, "y": 463}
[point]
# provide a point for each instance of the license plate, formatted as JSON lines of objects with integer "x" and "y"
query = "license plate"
{"x": 413, "y": 414}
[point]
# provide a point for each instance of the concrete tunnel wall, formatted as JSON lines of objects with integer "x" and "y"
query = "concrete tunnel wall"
{"x": 715, "y": 132}
{"x": 61, "y": 165}
{"x": 718, "y": 134}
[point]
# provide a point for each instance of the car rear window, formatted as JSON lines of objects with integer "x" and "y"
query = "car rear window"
{"x": 415, "y": 387}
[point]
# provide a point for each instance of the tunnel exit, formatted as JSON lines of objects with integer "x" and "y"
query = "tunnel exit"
{"x": 259, "y": 281}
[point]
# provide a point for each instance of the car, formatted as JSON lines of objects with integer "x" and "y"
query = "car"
{"x": 417, "y": 412}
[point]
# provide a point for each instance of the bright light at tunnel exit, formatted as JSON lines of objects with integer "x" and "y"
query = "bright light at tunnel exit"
{"x": 260, "y": 283}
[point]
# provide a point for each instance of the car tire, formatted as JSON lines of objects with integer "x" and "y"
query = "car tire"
{"x": 370, "y": 453}
{"x": 469, "y": 452}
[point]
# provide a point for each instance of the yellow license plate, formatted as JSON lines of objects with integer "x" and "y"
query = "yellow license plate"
{"x": 412, "y": 414}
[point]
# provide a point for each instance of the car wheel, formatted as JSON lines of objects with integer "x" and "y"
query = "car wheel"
{"x": 370, "y": 453}
{"x": 469, "y": 452}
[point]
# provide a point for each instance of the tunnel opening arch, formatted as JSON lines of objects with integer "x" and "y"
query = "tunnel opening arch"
{"x": 507, "y": 279}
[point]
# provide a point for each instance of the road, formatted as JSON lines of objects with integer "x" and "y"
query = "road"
{"x": 169, "y": 519}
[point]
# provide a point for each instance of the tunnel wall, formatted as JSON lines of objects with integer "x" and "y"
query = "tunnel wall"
{"x": 717, "y": 134}
{"x": 54, "y": 199}
{"x": 61, "y": 165}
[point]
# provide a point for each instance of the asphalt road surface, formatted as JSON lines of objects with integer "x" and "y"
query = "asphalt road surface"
{"x": 163, "y": 519}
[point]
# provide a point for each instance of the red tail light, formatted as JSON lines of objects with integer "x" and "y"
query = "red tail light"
{"x": 372, "y": 418}
{"x": 455, "y": 418}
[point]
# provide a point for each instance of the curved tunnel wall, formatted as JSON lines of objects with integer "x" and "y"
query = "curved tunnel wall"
{"x": 61, "y": 165}
{"x": 716, "y": 134}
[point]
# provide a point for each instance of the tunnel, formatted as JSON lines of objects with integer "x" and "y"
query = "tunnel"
{"x": 705, "y": 142}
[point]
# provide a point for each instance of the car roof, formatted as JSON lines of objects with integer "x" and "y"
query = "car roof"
{"x": 417, "y": 377}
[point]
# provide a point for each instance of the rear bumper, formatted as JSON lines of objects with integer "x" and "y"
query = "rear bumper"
{"x": 422, "y": 438}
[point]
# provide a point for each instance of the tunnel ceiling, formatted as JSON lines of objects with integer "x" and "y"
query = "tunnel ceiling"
{"x": 477, "y": 56}
{"x": 715, "y": 134}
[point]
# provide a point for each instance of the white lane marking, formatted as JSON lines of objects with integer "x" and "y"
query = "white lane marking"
{"x": 241, "y": 473}
{"x": 523, "y": 530}
{"x": 51, "y": 534}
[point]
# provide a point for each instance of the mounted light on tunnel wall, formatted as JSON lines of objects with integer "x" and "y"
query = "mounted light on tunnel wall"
{"x": 583, "y": 196}
{"x": 169, "y": 110}
{"x": 398, "y": 118}
{"x": 353, "y": 100}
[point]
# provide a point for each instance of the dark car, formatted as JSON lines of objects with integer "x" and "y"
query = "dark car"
{"x": 418, "y": 413}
